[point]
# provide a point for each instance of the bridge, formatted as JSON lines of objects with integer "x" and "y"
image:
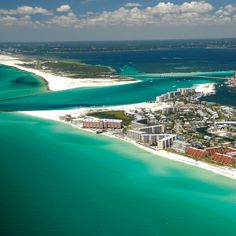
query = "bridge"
{"x": 175, "y": 76}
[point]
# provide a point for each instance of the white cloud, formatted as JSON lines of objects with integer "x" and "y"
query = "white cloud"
{"x": 133, "y": 4}
{"x": 167, "y": 13}
{"x": 164, "y": 13}
{"x": 12, "y": 21}
{"x": 70, "y": 20}
{"x": 200, "y": 7}
{"x": 171, "y": 8}
{"x": 121, "y": 16}
{"x": 25, "y": 10}
{"x": 228, "y": 10}
{"x": 163, "y": 8}
{"x": 63, "y": 8}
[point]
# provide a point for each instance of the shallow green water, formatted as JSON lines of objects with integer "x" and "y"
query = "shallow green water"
{"x": 56, "y": 180}
{"x": 17, "y": 83}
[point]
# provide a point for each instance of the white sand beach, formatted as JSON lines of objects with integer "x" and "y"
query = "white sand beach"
{"x": 205, "y": 88}
{"x": 58, "y": 83}
{"x": 54, "y": 115}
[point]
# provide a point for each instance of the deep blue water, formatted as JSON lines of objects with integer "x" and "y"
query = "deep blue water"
{"x": 148, "y": 56}
{"x": 164, "y": 61}
{"x": 224, "y": 96}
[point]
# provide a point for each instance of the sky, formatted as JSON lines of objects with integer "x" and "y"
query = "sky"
{"x": 93, "y": 20}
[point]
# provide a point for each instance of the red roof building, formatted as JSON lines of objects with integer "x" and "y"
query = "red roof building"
{"x": 212, "y": 150}
{"x": 223, "y": 159}
{"x": 230, "y": 150}
{"x": 196, "y": 153}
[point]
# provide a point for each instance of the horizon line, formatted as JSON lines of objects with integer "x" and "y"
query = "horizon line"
{"x": 121, "y": 40}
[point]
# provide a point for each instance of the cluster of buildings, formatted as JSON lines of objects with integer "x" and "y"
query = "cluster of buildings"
{"x": 225, "y": 156}
{"x": 186, "y": 125}
{"x": 152, "y": 135}
{"x": 171, "y": 95}
{"x": 192, "y": 127}
{"x": 201, "y": 123}
{"x": 102, "y": 123}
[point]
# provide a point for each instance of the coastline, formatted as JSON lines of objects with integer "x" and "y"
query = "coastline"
{"x": 54, "y": 116}
{"x": 209, "y": 88}
{"x": 59, "y": 83}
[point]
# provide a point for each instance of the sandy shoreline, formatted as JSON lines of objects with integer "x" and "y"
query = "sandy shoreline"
{"x": 58, "y": 83}
{"x": 54, "y": 115}
{"x": 205, "y": 88}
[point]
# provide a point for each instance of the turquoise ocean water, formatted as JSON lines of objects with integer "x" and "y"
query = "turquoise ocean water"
{"x": 150, "y": 86}
{"x": 57, "y": 180}
{"x": 16, "y": 83}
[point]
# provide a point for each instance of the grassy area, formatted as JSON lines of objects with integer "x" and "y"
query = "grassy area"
{"x": 113, "y": 115}
{"x": 73, "y": 68}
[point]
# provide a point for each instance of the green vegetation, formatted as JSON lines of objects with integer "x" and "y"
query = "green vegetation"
{"x": 113, "y": 115}
{"x": 73, "y": 68}
{"x": 221, "y": 116}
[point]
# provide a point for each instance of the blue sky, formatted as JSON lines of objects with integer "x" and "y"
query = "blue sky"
{"x": 71, "y": 20}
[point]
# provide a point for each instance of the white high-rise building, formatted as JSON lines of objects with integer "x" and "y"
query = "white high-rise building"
{"x": 155, "y": 129}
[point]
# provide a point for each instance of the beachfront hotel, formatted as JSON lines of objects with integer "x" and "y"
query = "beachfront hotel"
{"x": 166, "y": 142}
{"x": 180, "y": 146}
{"x": 102, "y": 123}
{"x": 155, "y": 129}
{"x": 162, "y": 141}
{"x": 147, "y": 133}
{"x": 225, "y": 156}
{"x": 167, "y": 96}
{"x": 170, "y": 95}
{"x": 152, "y": 135}
{"x": 186, "y": 91}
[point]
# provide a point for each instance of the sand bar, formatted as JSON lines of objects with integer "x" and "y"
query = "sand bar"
{"x": 58, "y": 83}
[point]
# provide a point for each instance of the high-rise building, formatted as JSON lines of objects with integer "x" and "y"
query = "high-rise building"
{"x": 171, "y": 95}
{"x": 180, "y": 146}
{"x": 135, "y": 135}
{"x": 166, "y": 142}
{"x": 186, "y": 91}
{"x": 155, "y": 129}
{"x": 102, "y": 123}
